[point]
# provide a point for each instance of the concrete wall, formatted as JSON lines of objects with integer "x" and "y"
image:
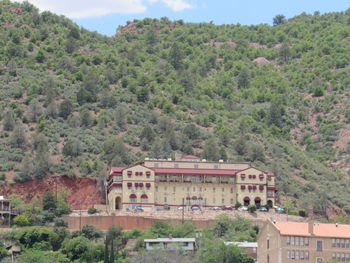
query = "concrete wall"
{"x": 126, "y": 222}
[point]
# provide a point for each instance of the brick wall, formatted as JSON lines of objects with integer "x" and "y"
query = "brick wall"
{"x": 126, "y": 222}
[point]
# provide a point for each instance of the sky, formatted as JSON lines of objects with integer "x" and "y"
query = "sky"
{"x": 104, "y": 16}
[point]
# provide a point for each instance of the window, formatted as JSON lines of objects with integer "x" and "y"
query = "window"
{"x": 214, "y": 200}
{"x": 306, "y": 240}
{"x": 174, "y": 189}
{"x": 165, "y": 199}
{"x": 342, "y": 243}
{"x": 216, "y": 166}
{"x": 223, "y": 201}
{"x": 347, "y": 243}
{"x": 297, "y": 241}
{"x": 319, "y": 246}
{"x": 194, "y": 189}
{"x": 301, "y": 254}
{"x": 165, "y": 188}
{"x": 301, "y": 241}
{"x": 292, "y": 241}
{"x": 200, "y": 189}
{"x": 176, "y": 165}
{"x": 338, "y": 242}
{"x": 214, "y": 190}
{"x": 156, "y": 165}
{"x": 188, "y": 189}
{"x": 319, "y": 260}
{"x": 231, "y": 191}
{"x": 231, "y": 201}
{"x": 334, "y": 242}
{"x": 196, "y": 166}
{"x": 334, "y": 256}
{"x": 268, "y": 259}
{"x": 288, "y": 254}
{"x": 268, "y": 244}
{"x": 223, "y": 189}
{"x": 297, "y": 254}
{"x": 288, "y": 240}
{"x": 292, "y": 254}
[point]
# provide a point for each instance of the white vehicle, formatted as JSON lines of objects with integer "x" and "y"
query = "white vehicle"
{"x": 243, "y": 208}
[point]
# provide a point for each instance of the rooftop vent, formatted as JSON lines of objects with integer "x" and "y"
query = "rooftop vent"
{"x": 146, "y": 159}
{"x": 169, "y": 159}
{"x": 221, "y": 161}
{"x": 204, "y": 160}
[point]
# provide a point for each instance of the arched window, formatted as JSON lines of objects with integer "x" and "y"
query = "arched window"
{"x": 144, "y": 198}
{"x": 133, "y": 198}
{"x": 246, "y": 201}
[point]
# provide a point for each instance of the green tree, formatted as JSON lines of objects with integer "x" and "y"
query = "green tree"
{"x": 72, "y": 148}
{"x": 175, "y": 56}
{"x": 8, "y": 122}
{"x": 39, "y": 256}
{"x": 285, "y": 52}
{"x": 18, "y": 139}
{"x": 279, "y": 20}
{"x": 40, "y": 57}
{"x": 91, "y": 232}
{"x": 66, "y": 108}
{"x": 22, "y": 220}
{"x": 148, "y": 133}
{"x": 243, "y": 79}
{"x": 211, "y": 150}
{"x": 49, "y": 201}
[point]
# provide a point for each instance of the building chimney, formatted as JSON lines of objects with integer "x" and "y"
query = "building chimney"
{"x": 311, "y": 227}
{"x": 336, "y": 224}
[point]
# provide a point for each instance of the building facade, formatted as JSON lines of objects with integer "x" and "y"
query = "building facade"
{"x": 187, "y": 244}
{"x": 287, "y": 242}
{"x": 157, "y": 184}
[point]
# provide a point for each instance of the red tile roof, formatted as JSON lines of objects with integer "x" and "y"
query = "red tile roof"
{"x": 190, "y": 157}
{"x": 195, "y": 171}
{"x": 117, "y": 169}
{"x": 320, "y": 230}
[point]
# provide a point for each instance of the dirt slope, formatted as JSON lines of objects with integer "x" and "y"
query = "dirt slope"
{"x": 82, "y": 193}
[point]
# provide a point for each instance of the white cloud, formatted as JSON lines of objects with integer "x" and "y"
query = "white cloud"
{"x": 90, "y": 8}
{"x": 175, "y": 5}
{"x": 93, "y": 8}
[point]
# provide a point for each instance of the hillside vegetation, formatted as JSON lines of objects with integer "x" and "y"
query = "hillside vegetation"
{"x": 74, "y": 102}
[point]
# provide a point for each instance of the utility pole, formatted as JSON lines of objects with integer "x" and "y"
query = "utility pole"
{"x": 183, "y": 210}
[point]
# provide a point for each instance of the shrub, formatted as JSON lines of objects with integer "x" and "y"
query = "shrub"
{"x": 302, "y": 212}
{"x": 251, "y": 208}
{"x": 22, "y": 220}
{"x": 60, "y": 222}
{"x": 92, "y": 211}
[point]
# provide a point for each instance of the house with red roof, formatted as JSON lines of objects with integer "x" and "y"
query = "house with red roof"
{"x": 157, "y": 184}
{"x": 286, "y": 242}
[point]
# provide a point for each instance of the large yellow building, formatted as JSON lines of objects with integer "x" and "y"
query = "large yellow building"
{"x": 157, "y": 184}
{"x": 287, "y": 242}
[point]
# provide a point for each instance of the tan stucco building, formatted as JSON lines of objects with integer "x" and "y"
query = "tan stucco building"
{"x": 287, "y": 242}
{"x": 156, "y": 184}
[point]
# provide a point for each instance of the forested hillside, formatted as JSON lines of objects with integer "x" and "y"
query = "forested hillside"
{"x": 74, "y": 102}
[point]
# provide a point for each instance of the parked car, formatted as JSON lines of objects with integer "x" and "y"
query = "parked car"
{"x": 216, "y": 208}
{"x": 263, "y": 209}
{"x": 280, "y": 209}
{"x": 138, "y": 208}
{"x": 195, "y": 208}
{"x": 229, "y": 208}
{"x": 243, "y": 208}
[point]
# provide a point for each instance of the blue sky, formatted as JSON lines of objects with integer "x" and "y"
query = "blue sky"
{"x": 105, "y": 16}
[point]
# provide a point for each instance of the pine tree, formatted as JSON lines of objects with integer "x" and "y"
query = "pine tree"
{"x": 8, "y": 122}
{"x": 66, "y": 108}
{"x": 18, "y": 139}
